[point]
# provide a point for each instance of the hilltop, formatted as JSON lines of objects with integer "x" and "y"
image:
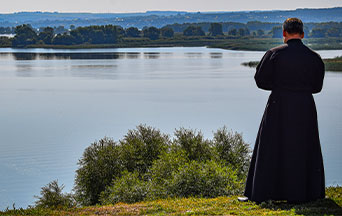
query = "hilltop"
{"x": 162, "y": 18}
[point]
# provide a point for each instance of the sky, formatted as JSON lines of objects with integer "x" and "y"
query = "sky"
{"x": 121, "y": 6}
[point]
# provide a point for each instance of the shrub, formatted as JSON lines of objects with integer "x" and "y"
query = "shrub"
{"x": 205, "y": 179}
{"x": 145, "y": 164}
{"x": 98, "y": 166}
{"x": 193, "y": 143}
{"x": 232, "y": 149}
{"x": 129, "y": 188}
{"x": 140, "y": 147}
{"x": 52, "y": 197}
{"x": 161, "y": 173}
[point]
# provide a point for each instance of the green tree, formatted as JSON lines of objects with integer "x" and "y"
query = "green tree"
{"x": 277, "y": 32}
{"x": 97, "y": 36}
{"x": 5, "y": 41}
{"x": 132, "y": 32}
{"x": 108, "y": 34}
{"x": 24, "y": 35}
{"x": 260, "y": 32}
{"x": 243, "y": 32}
{"x": 60, "y": 30}
{"x": 46, "y": 35}
{"x": 193, "y": 31}
{"x": 112, "y": 33}
{"x": 215, "y": 29}
{"x": 317, "y": 33}
{"x": 233, "y": 32}
{"x": 52, "y": 197}
{"x": 151, "y": 32}
{"x": 99, "y": 165}
{"x": 333, "y": 32}
{"x": 77, "y": 36}
{"x": 63, "y": 39}
{"x": 167, "y": 32}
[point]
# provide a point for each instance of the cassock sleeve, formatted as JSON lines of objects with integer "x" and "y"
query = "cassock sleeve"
{"x": 264, "y": 72}
{"x": 318, "y": 76}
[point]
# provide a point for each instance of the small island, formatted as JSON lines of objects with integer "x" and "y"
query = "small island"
{"x": 331, "y": 64}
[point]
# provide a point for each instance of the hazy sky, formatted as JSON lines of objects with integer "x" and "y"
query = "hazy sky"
{"x": 116, "y": 6}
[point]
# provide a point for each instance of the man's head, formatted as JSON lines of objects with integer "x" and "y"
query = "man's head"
{"x": 293, "y": 29}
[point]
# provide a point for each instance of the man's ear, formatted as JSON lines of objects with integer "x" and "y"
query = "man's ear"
{"x": 302, "y": 35}
{"x": 284, "y": 33}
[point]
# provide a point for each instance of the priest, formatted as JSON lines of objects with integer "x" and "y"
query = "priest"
{"x": 287, "y": 162}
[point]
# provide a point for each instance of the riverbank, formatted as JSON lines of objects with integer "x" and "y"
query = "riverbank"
{"x": 230, "y": 43}
{"x": 332, "y": 64}
{"x": 331, "y": 205}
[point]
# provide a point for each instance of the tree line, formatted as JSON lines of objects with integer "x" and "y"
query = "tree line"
{"x": 111, "y": 34}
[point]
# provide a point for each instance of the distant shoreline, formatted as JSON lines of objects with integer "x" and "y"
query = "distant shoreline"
{"x": 243, "y": 44}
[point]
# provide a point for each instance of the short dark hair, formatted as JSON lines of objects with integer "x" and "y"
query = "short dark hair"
{"x": 293, "y": 26}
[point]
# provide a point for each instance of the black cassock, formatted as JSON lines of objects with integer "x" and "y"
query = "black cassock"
{"x": 287, "y": 162}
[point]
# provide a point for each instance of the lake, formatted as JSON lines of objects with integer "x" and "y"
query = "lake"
{"x": 55, "y": 103}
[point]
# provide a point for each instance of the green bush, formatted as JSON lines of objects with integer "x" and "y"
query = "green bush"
{"x": 52, "y": 197}
{"x": 192, "y": 142}
{"x": 145, "y": 164}
{"x": 161, "y": 173}
{"x": 205, "y": 179}
{"x": 105, "y": 160}
{"x": 140, "y": 147}
{"x": 129, "y": 188}
{"x": 233, "y": 150}
{"x": 98, "y": 166}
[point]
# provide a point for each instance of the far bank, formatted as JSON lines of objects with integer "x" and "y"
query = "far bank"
{"x": 229, "y": 43}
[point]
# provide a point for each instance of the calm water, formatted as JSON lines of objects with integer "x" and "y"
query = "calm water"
{"x": 55, "y": 103}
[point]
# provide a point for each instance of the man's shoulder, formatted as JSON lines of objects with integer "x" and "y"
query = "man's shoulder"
{"x": 312, "y": 52}
{"x": 279, "y": 48}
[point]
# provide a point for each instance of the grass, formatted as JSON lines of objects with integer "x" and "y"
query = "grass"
{"x": 331, "y": 205}
{"x": 332, "y": 64}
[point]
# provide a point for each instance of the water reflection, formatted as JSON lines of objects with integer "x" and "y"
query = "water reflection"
{"x": 95, "y": 66}
{"x": 151, "y": 55}
{"x": 25, "y": 56}
{"x": 133, "y": 55}
{"x": 84, "y": 55}
{"x": 216, "y": 55}
{"x": 193, "y": 54}
{"x": 71, "y": 56}
{"x": 24, "y": 70}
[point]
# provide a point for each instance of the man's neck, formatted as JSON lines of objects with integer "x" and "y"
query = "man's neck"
{"x": 292, "y": 37}
{"x": 288, "y": 36}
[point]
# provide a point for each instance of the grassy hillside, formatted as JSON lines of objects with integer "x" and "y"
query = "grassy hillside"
{"x": 331, "y": 205}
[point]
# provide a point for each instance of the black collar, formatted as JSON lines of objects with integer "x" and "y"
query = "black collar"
{"x": 294, "y": 41}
